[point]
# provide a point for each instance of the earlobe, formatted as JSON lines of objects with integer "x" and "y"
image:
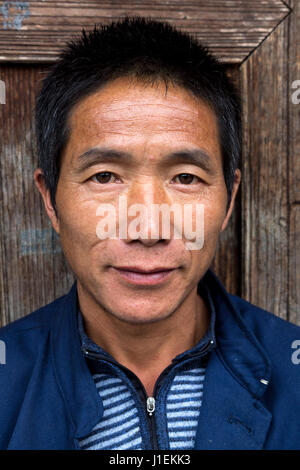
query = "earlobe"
{"x": 40, "y": 183}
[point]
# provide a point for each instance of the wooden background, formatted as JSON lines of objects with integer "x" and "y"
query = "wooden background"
{"x": 257, "y": 256}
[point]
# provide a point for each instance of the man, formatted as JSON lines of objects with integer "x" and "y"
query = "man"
{"x": 147, "y": 350}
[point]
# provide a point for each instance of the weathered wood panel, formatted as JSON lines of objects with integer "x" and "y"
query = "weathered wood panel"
{"x": 35, "y": 31}
{"x": 227, "y": 261}
{"x": 294, "y": 165}
{"x": 265, "y": 212}
{"x": 271, "y": 169}
{"x": 33, "y": 271}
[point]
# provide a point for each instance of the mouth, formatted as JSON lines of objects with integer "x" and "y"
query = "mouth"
{"x": 141, "y": 276}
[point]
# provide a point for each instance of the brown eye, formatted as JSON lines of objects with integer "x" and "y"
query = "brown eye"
{"x": 103, "y": 177}
{"x": 185, "y": 178}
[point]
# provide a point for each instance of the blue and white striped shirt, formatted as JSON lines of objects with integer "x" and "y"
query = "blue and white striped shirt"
{"x": 183, "y": 408}
{"x": 120, "y": 426}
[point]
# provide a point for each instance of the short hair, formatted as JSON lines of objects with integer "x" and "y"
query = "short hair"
{"x": 150, "y": 51}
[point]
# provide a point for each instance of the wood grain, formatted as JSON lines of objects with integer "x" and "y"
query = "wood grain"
{"x": 271, "y": 169}
{"x": 265, "y": 212}
{"x": 227, "y": 261}
{"x": 33, "y": 270}
{"x": 294, "y": 165}
{"x": 232, "y": 28}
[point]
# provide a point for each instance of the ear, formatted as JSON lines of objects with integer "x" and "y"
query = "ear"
{"x": 40, "y": 183}
{"x": 237, "y": 180}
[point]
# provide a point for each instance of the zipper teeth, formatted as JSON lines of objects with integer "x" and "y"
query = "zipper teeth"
{"x": 151, "y": 420}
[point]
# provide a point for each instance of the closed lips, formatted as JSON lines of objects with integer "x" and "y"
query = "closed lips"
{"x": 144, "y": 271}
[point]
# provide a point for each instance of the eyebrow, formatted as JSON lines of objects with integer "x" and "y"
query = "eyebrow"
{"x": 196, "y": 157}
{"x": 98, "y": 155}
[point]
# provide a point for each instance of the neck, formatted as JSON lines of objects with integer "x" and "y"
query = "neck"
{"x": 146, "y": 349}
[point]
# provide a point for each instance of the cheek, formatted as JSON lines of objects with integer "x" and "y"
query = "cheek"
{"x": 77, "y": 222}
{"x": 212, "y": 228}
{"x": 215, "y": 207}
{"x": 209, "y": 223}
{"x": 213, "y": 211}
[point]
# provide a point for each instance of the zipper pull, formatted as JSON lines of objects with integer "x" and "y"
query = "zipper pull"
{"x": 150, "y": 405}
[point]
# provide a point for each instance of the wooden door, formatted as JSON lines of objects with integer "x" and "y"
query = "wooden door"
{"x": 259, "y": 42}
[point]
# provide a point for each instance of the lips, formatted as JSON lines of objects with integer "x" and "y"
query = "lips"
{"x": 136, "y": 269}
{"x": 141, "y": 276}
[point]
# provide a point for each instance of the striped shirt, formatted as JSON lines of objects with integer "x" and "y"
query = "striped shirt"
{"x": 120, "y": 426}
{"x": 183, "y": 408}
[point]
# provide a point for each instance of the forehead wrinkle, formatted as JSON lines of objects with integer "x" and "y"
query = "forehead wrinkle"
{"x": 170, "y": 125}
{"x": 110, "y": 106}
{"x": 183, "y": 122}
{"x": 109, "y": 109}
{"x": 137, "y": 118}
{"x": 146, "y": 129}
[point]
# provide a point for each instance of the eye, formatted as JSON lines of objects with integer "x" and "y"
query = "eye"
{"x": 186, "y": 178}
{"x": 103, "y": 177}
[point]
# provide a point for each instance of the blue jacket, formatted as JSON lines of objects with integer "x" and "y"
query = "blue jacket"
{"x": 252, "y": 386}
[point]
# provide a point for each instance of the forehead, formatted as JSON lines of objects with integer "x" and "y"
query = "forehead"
{"x": 127, "y": 112}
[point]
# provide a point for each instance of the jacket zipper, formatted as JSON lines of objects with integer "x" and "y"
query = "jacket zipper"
{"x": 150, "y": 406}
{"x": 140, "y": 389}
{"x": 150, "y": 401}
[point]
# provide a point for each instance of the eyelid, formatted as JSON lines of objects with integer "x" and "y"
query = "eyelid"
{"x": 99, "y": 172}
{"x": 191, "y": 174}
{"x": 114, "y": 174}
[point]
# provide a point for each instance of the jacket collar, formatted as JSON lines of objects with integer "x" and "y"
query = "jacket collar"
{"x": 237, "y": 345}
{"x": 237, "y": 375}
{"x": 238, "y": 357}
{"x": 231, "y": 418}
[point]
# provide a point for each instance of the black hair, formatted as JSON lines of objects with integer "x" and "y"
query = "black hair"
{"x": 148, "y": 50}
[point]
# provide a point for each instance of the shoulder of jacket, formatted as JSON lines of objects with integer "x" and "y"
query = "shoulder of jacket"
{"x": 277, "y": 336}
{"x": 259, "y": 318}
{"x": 40, "y": 318}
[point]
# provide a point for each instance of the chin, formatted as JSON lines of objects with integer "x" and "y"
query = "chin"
{"x": 140, "y": 318}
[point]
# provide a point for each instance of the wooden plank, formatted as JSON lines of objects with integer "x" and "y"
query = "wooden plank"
{"x": 33, "y": 270}
{"x": 227, "y": 260}
{"x": 35, "y": 31}
{"x": 294, "y": 165}
{"x": 265, "y": 212}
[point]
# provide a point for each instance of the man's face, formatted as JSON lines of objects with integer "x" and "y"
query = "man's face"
{"x": 148, "y": 125}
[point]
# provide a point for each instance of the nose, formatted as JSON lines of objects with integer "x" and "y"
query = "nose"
{"x": 144, "y": 220}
